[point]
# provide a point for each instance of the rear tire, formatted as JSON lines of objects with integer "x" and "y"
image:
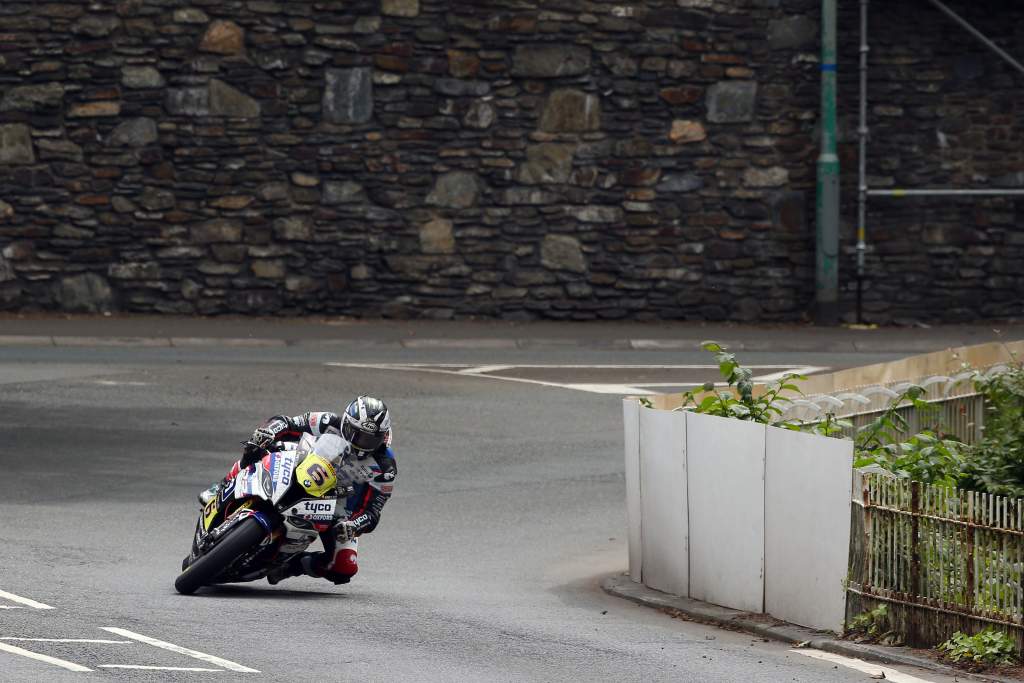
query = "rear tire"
{"x": 203, "y": 571}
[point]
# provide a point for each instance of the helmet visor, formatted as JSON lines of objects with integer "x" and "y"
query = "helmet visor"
{"x": 360, "y": 440}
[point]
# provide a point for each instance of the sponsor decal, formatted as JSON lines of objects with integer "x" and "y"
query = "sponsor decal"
{"x": 307, "y": 483}
{"x": 387, "y": 488}
{"x": 370, "y": 427}
{"x": 282, "y": 469}
{"x": 314, "y": 510}
{"x": 314, "y": 507}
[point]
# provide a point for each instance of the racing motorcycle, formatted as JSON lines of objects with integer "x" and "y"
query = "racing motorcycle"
{"x": 271, "y": 512}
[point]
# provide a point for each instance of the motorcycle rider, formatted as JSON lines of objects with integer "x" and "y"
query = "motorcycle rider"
{"x": 366, "y": 428}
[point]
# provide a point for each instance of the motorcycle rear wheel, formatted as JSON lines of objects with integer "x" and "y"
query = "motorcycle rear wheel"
{"x": 203, "y": 571}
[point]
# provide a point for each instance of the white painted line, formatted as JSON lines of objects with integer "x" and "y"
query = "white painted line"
{"x": 70, "y": 666}
{"x": 24, "y": 601}
{"x": 593, "y": 388}
{"x": 485, "y": 368}
{"x": 155, "y": 668}
{"x": 685, "y": 385}
{"x": 622, "y": 389}
{"x": 874, "y": 670}
{"x": 112, "y": 383}
{"x": 11, "y": 607}
{"x": 804, "y": 370}
{"x": 195, "y": 654}
{"x": 543, "y": 366}
{"x": 69, "y": 640}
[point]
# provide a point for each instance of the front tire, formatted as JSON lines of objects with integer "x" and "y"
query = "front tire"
{"x": 243, "y": 538}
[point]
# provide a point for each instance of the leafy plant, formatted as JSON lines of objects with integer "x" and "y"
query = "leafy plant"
{"x": 925, "y": 456}
{"x": 831, "y": 426}
{"x": 873, "y": 625}
{"x": 996, "y": 464}
{"x": 986, "y": 647}
{"x": 739, "y": 401}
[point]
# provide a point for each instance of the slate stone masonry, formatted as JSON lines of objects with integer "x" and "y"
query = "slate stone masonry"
{"x": 561, "y": 159}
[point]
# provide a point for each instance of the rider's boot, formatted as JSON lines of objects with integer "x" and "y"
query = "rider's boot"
{"x": 209, "y": 494}
{"x": 297, "y": 566}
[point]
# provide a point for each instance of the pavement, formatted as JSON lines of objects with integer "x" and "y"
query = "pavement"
{"x": 184, "y": 332}
{"x": 624, "y": 587}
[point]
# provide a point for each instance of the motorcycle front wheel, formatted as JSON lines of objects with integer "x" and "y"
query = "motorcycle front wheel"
{"x": 204, "y": 570}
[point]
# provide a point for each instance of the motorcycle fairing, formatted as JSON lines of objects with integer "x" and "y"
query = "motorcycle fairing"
{"x": 281, "y": 466}
{"x": 254, "y": 481}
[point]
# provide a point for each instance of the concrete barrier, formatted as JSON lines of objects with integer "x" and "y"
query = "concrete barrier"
{"x": 739, "y": 514}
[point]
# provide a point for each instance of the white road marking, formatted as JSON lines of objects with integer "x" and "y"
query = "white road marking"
{"x": 547, "y": 366}
{"x": 485, "y": 372}
{"x": 70, "y": 666}
{"x": 804, "y": 370}
{"x": 485, "y": 368}
{"x": 861, "y": 665}
{"x": 69, "y": 640}
{"x": 24, "y": 601}
{"x": 621, "y": 389}
{"x": 11, "y": 607}
{"x": 112, "y": 383}
{"x": 649, "y": 385}
{"x": 155, "y": 668}
{"x": 195, "y": 654}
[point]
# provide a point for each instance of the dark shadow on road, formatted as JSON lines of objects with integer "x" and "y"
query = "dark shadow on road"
{"x": 265, "y": 593}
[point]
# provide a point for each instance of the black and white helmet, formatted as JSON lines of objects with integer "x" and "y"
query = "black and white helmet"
{"x": 366, "y": 424}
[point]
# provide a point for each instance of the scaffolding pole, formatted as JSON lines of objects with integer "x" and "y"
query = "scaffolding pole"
{"x": 863, "y": 132}
{"x": 979, "y": 35}
{"x": 944, "y": 192}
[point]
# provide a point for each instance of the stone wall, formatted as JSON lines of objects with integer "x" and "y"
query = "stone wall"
{"x": 566, "y": 159}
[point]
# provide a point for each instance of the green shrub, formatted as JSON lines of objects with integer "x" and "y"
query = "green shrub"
{"x": 996, "y": 463}
{"x": 740, "y": 402}
{"x": 987, "y": 647}
{"x": 924, "y": 457}
{"x": 873, "y": 625}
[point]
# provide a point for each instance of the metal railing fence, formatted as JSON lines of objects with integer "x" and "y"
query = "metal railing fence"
{"x": 944, "y": 559}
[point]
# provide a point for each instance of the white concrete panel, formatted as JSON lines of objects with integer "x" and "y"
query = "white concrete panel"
{"x": 663, "y": 500}
{"x": 808, "y": 488}
{"x": 725, "y": 489}
{"x": 631, "y": 437}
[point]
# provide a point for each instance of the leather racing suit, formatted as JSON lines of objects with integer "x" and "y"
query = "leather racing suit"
{"x": 338, "y": 562}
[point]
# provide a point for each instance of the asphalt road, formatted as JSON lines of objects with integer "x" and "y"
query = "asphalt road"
{"x": 508, "y": 511}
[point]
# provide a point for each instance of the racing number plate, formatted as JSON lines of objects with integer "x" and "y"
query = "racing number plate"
{"x": 316, "y": 475}
{"x": 209, "y": 512}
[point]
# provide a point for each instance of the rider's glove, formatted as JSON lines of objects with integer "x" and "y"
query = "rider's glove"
{"x": 346, "y": 531}
{"x": 262, "y": 437}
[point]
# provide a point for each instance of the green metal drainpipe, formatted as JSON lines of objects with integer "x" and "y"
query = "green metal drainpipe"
{"x": 826, "y": 303}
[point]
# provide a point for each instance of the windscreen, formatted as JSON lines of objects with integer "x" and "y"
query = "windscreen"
{"x": 330, "y": 447}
